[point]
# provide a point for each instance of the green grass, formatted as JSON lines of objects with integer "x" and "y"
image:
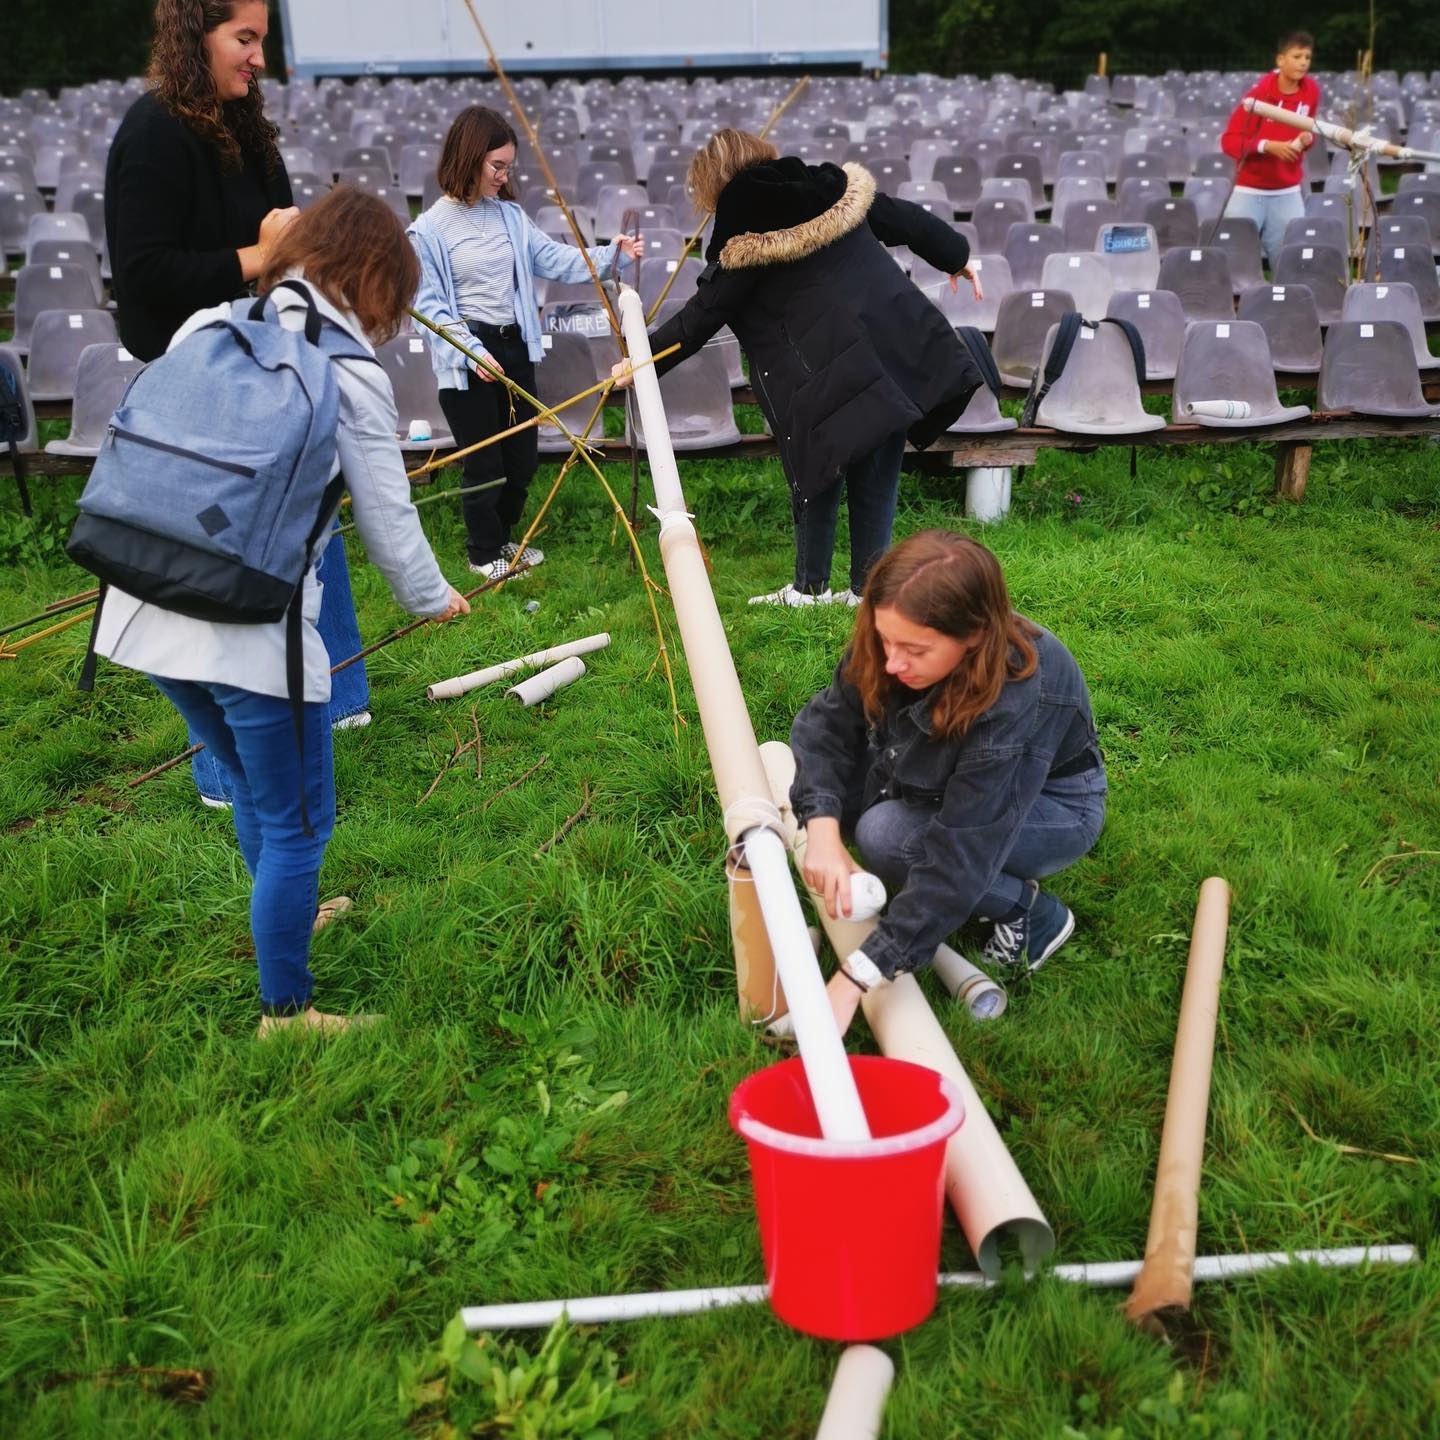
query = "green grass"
{"x": 1267, "y": 683}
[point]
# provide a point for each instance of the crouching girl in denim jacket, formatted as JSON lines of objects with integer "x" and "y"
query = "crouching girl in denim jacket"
{"x": 957, "y": 746}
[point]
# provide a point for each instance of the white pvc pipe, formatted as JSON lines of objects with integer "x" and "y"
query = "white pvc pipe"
{"x": 987, "y": 493}
{"x": 855, "y": 1408}
{"x": 463, "y": 684}
{"x": 751, "y": 816}
{"x": 1103, "y": 1274}
{"x": 547, "y": 682}
{"x": 971, "y": 986}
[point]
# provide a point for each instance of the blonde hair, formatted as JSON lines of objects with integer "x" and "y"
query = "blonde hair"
{"x": 726, "y": 154}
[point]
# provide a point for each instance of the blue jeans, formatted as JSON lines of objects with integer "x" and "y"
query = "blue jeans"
{"x": 340, "y": 630}
{"x": 253, "y": 736}
{"x": 1062, "y": 825}
{"x": 1271, "y": 214}
{"x": 870, "y": 486}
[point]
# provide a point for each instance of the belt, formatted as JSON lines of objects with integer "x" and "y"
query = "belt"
{"x": 1087, "y": 759}
{"x": 487, "y": 331}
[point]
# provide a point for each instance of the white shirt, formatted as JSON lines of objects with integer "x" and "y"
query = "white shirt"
{"x": 145, "y": 637}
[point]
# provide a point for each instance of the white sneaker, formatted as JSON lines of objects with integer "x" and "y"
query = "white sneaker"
{"x": 532, "y": 557}
{"x": 358, "y": 721}
{"x": 788, "y": 596}
{"x": 214, "y": 804}
{"x": 495, "y": 570}
{"x": 838, "y": 597}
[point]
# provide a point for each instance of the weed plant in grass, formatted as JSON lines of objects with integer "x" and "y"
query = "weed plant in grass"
{"x": 205, "y": 1236}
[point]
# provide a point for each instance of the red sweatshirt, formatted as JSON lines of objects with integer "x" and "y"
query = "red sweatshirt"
{"x": 1242, "y": 137}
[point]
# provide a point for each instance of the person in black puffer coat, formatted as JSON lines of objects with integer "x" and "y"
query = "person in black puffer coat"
{"x": 847, "y": 358}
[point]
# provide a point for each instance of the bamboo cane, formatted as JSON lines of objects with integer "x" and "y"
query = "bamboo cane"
{"x": 56, "y": 607}
{"x": 20, "y": 645}
{"x": 550, "y": 180}
{"x": 775, "y": 114}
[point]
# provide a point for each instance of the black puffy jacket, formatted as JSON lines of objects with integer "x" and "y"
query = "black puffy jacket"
{"x": 844, "y": 350}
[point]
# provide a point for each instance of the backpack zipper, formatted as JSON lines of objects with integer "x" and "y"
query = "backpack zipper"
{"x": 115, "y": 431}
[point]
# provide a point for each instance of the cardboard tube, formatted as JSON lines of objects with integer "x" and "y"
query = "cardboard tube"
{"x": 547, "y": 682}
{"x": 1166, "y": 1276}
{"x": 1336, "y": 134}
{"x": 984, "y": 1186}
{"x": 856, "y": 1404}
{"x": 1103, "y": 1274}
{"x": 762, "y": 998}
{"x": 980, "y": 995}
{"x": 463, "y": 684}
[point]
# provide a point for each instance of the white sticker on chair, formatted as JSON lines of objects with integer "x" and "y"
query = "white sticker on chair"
{"x": 1169, "y": 204}
{"x": 1033, "y": 239}
{"x": 1194, "y": 255}
{"x": 1222, "y": 332}
{"x": 1399, "y": 252}
{"x": 1307, "y": 253}
{"x": 977, "y": 265}
{"x": 124, "y": 356}
{"x": 1224, "y": 235}
{"x": 62, "y": 255}
{"x": 77, "y": 322}
{"x": 1037, "y": 299}
{"x": 1277, "y": 292}
{"x": 55, "y": 273}
{"x": 1381, "y": 291}
{"x": 1086, "y": 334}
{"x": 546, "y": 341}
{"x": 417, "y": 345}
{"x": 1074, "y": 262}
{"x": 671, "y": 266}
{"x": 1144, "y": 301}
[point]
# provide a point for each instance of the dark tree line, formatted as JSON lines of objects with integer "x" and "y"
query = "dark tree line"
{"x": 67, "y": 42}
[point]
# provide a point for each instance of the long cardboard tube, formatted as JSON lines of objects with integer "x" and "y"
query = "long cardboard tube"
{"x": 1103, "y": 1274}
{"x": 463, "y": 684}
{"x": 752, "y": 822}
{"x": 970, "y": 985}
{"x": 855, "y": 1408}
{"x": 1336, "y": 134}
{"x": 1166, "y": 1276}
{"x": 761, "y": 998}
{"x": 547, "y": 682}
{"x": 984, "y": 1186}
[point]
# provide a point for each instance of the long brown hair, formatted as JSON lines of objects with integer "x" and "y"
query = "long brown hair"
{"x": 351, "y": 246}
{"x": 723, "y": 156}
{"x": 181, "y": 80}
{"x": 952, "y": 584}
{"x": 474, "y": 133}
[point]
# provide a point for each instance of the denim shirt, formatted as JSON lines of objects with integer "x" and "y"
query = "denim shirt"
{"x": 981, "y": 785}
{"x": 535, "y": 254}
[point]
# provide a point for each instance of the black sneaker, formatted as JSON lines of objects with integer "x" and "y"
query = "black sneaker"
{"x": 1029, "y": 937}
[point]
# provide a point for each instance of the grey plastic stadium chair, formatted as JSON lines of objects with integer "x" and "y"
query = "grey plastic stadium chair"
{"x": 1085, "y": 276}
{"x": 1411, "y": 265}
{"x": 568, "y": 368}
{"x": 1025, "y": 318}
{"x": 1229, "y": 361}
{"x": 993, "y": 217}
{"x": 1315, "y": 230}
{"x": 11, "y": 359}
{"x": 67, "y": 252}
{"x": 103, "y": 373}
{"x": 1425, "y": 203}
{"x": 1392, "y": 300}
{"x": 1131, "y": 254}
{"x": 1369, "y": 368}
{"x": 1027, "y": 245}
{"x": 48, "y": 287}
{"x": 1175, "y": 222}
{"x": 1136, "y": 194}
{"x": 653, "y": 279}
{"x": 1208, "y": 194}
{"x": 406, "y": 359}
{"x": 1201, "y": 278}
{"x": 1240, "y": 241}
{"x": 1157, "y": 315}
{"x": 698, "y": 410}
{"x": 611, "y": 206}
{"x": 1291, "y": 323}
{"x": 57, "y": 340}
{"x": 58, "y": 225}
{"x": 1084, "y": 220}
{"x": 1322, "y": 268}
{"x": 961, "y": 307}
{"x": 1097, "y": 392}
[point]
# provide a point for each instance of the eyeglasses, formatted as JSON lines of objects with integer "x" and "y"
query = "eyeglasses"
{"x": 498, "y": 168}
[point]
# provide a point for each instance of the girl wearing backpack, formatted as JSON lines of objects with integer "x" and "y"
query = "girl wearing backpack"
{"x": 229, "y": 680}
{"x": 196, "y": 198}
{"x": 956, "y": 744}
{"x": 479, "y": 256}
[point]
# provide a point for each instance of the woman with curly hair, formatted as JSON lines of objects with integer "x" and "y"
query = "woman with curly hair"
{"x": 196, "y": 198}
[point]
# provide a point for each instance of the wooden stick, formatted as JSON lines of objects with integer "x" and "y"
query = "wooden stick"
{"x": 550, "y": 180}
{"x": 569, "y": 825}
{"x": 20, "y": 645}
{"x": 515, "y": 784}
{"x": 56, "y": 607}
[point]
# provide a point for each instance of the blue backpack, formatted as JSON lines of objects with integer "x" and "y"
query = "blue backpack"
{"x": 213, "y": 483}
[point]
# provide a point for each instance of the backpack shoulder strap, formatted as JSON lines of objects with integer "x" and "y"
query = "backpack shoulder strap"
{"x": 1137, "y": 345}
{"x": 1055, "y": 362}
{"x": 974, "y": 342}
{"x": 86, "y": 681}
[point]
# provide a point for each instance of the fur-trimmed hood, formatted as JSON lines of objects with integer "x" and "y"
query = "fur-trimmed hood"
{"x": 780, "y": 211}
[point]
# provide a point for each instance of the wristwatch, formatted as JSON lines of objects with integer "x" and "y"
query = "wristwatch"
{"x": 863, "y": 970}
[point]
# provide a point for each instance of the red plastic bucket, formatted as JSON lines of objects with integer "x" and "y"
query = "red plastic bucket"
{"x": 850, "y": 1230}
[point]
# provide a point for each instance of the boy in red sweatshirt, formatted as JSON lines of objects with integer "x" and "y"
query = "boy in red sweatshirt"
{"x": 1269, "y": 155}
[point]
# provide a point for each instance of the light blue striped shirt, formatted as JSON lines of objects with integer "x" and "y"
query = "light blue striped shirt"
{"x": 482, "y": 260}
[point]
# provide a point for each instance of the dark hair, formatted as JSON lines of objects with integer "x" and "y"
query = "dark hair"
{"x": 180, "y": 77}
{"x": 954, "y": 585}
{"x": 476, "y": 131}
{"x": 351, "y": 246}
{"x": 1295, "y": 40}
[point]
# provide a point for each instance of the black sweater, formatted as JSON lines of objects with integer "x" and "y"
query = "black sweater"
{"x": 174, "y": 221}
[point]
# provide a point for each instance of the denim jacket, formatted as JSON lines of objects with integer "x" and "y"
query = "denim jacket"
{"x": 981, "y": 784}
{"x": 542, "y": 256}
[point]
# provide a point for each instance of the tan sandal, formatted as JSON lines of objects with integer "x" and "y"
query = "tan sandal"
{"x": 330, "y": 911}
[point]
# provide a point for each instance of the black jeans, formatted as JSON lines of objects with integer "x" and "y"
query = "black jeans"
{"x": 870, "y": 488}
{"x": 479, "y": 412}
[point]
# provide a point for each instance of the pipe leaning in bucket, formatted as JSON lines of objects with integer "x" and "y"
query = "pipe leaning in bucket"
{"x": 855, "y": 1407}
{"x": 752, "y": 823}
{"x": 984, "y": 1185}
{"x": 1165, "y": 1280}
{"x": 463, "y": 684}
{"x": 1103, "y": 1274}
